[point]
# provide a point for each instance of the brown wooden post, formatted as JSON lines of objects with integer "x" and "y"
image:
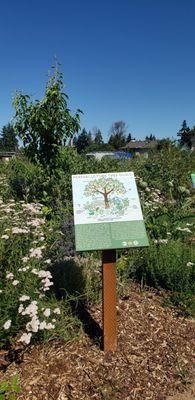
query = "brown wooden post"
{"x": 109, "y": 300}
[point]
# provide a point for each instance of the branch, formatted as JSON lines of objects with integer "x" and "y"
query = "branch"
{"x": 110, "y": 191}
{"x": 100, "y": 192}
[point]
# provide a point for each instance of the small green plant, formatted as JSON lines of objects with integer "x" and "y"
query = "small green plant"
{"x": 10, "y": 388}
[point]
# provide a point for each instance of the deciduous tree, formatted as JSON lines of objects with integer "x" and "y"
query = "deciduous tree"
{"x": 117, "y": 135}
{"x": 105, "y": 187}
{"x": 45, "y": 125}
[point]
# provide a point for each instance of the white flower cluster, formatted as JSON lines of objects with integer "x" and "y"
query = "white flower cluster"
{"x": 190, "y": 264}
{"x": 152, "y": 199}
{"x": 45, "y": 278}
{"x": 21, "y": 219}
{"x": 34, "y": 325}
{"x": 187, "y": 230}
{"x": 161, "y": 241}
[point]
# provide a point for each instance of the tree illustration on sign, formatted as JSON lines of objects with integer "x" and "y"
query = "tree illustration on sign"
{"x": 105, "y": 187}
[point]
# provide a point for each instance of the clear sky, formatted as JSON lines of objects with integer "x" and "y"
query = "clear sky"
{"x": 122, "y": 59}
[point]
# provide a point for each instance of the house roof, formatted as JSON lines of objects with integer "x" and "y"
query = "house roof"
{"x": 141, "y": 144}
{"x": 7, "y": 154}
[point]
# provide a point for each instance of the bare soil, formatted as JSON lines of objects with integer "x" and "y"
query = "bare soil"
{"x": 154, "y": 359}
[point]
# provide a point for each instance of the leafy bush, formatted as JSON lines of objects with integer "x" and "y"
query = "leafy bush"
{"x": 27, "y": 310}
{"x": 164, "y": 187}
{"x": 169, "y": 266}
{"x": 30, "y": 182}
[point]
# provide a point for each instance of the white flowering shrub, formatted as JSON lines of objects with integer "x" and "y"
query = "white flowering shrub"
{"x": 166, "y": 217}
{"x": 27, "y": 311}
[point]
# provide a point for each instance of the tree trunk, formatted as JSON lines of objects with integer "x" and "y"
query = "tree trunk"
{"x": 106, "y": 201}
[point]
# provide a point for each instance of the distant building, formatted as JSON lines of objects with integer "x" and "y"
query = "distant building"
{"x": 140, "y": 147}
{"x": 7, "y": 155}
{"x": 98, "y": 155}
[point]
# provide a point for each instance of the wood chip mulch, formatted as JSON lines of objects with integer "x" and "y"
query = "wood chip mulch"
{"x": 154, "y": 358}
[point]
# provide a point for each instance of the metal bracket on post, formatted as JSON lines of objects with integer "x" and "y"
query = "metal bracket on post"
{"x": 109, "y": 300}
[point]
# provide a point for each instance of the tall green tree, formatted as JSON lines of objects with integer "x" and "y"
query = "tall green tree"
{"x": 150, "y": 137}
{"x": 84, "y": 140}
{"x": 45, "y": 125}
{"x": 8, "y": 140}
{"x": 98, "y": 139}
{"x": 129, "y": 137}
{"x": 117, "y": 135}
{"x": 185, "y": 134}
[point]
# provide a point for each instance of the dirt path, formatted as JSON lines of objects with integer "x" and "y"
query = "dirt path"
{"x": 154, "y": 359}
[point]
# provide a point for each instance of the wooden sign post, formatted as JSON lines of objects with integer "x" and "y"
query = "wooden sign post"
{"x": 109, "y": 300}
{"x": 108, "y": 216}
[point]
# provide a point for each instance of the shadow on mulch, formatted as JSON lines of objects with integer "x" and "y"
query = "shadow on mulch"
{"x": 69, "y": 282}
{"x": 90, "y": 326}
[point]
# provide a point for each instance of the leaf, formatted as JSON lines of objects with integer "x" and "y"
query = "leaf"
{"x": 12, "y": 396}
{"x": 15, "y": 379}
{"x": 4, "y": 386}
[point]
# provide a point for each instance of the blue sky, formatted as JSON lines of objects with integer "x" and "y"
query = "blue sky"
{"x": 130, "y": 59}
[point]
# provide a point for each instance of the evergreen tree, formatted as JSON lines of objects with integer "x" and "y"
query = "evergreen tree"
{"x": 150, "y": 137}
{"x": 185, "y": 134}
{"x": 84, "y": 140}
{"x": 8, "y": 140}
{"x": 129, "y": 138}
{"x": 98, "y": 139}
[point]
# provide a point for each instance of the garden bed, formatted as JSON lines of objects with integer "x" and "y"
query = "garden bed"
{"x": 154, "y": 357}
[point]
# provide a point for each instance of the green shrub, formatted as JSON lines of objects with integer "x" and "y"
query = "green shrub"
{"x": 25, "y": 179}
{"x": 29, "y": 310}
{"x": 169, "y": 266}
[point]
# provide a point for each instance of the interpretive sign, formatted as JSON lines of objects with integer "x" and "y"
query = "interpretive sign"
{"x": 193, "y": 180}
{"x": 107, "y": 212}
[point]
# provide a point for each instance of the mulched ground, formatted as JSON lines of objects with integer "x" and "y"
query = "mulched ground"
{"x": 154, "y": 359}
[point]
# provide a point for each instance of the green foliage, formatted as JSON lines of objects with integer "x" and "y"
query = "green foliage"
{"x": 164, "y": 187}
{"x": 104, "y": 186}
{"x": 8, "y": 140}
{"x": 185, "y": 134}
{"x": 184, "y": 302}
{"x": 10, "y": 389}
{"x": 150, "y": 137}
{"x": 98, "y": 139}
{"x": 165, "y": 171}
{"x": 167, "y": 266}
{"x": 83, "y": 141}
{"x": 28, "y": 309}
{"x": 26, "y": 180}
{"x": 44, "y": 125}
